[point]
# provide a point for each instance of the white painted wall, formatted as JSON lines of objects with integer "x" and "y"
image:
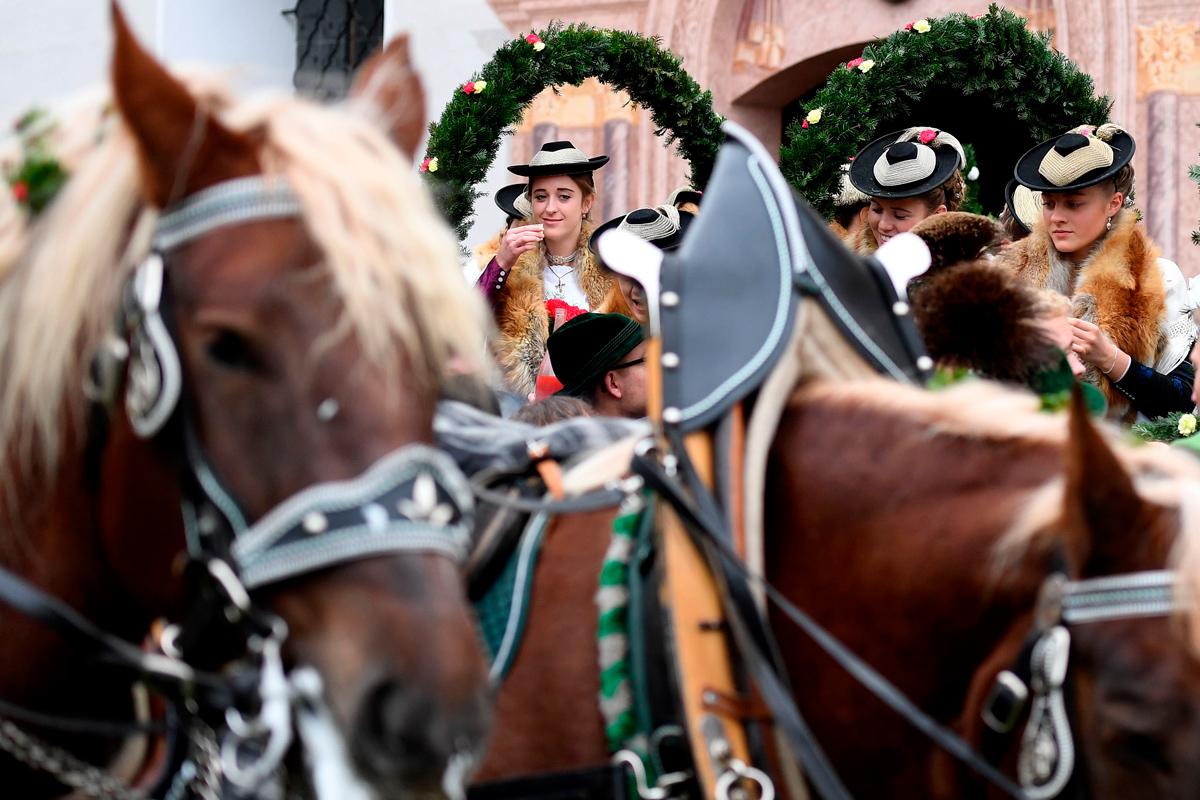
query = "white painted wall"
{"x": 51, "y": 48}
{"x": 450, "y": 40}
{"x": 252, "y": 36}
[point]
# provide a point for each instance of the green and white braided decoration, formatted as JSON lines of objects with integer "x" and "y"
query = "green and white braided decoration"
{"x": 612, "y": 600}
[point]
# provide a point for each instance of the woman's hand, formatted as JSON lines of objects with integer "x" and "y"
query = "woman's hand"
{"x": 1093, "y": 346}
{"x": 517, "y": 241}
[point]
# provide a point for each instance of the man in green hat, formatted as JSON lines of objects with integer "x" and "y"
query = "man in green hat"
{"x": 600, "y": 358}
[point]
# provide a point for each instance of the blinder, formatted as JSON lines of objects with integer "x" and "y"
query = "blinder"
{"x": 1037, "y": 680}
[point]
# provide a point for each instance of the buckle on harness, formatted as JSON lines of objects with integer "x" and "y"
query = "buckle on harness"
{"x": 1005, "y": 702}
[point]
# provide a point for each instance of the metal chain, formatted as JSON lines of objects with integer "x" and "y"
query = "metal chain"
{"x": 66, "y": 768}
{"x": 208, "y": 762}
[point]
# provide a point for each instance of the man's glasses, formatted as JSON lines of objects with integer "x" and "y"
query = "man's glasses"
{"x": 633, "y": 363}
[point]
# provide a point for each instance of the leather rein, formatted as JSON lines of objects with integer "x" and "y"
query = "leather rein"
{"x": 1047, "y": 757}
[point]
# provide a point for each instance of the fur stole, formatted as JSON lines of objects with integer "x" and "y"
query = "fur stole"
{"x": 522, "y": 322}
{"x": 862, "y": 242}
{"x": 486, "y": 251}
{"x": 1119, "y": 287}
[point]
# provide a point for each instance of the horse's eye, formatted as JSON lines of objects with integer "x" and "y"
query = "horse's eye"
{"x": 233, "y": 351}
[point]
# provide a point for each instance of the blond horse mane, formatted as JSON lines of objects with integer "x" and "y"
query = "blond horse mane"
{"x": 391, "y": 259}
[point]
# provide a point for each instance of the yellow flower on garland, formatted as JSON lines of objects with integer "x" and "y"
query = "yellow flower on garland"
{"x": 921, "y": 26}
{"x": 866, "y": 65}
{"x": 480, "y": 86}
{"x": 814, "y": 116}
{"x": 1187, "y": 425}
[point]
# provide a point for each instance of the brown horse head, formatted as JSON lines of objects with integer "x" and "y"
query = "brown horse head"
{"x": 1136, "y": 680}
{"x": 311, "y": 345}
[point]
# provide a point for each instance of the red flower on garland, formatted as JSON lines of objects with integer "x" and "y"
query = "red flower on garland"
{"x": 854, "y": 62}
{"x": 804, "y": 124}
{"x": 20, "y": 191}
{"x": 536, "y": 41}
{"x": 908, "y": 27}
{"x": 469, "y": 87}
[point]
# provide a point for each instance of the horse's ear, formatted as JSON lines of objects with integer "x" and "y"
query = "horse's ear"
{"x": 388, "y": 91}
{"x": 1101, "y": 506}
{"x": 182, "y": 148}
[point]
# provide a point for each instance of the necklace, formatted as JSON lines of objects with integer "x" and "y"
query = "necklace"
{"x": 561, "y": 261}
{"x": 560, "y": 278}
{"x": 567, "y": 261}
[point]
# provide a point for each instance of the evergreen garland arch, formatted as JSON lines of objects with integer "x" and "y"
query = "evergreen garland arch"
{"x": 465, "y": 139}
{"x": 993, "y": 58}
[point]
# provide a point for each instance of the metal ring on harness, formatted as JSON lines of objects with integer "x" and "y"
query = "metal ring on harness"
{"x": 736, "y": 772}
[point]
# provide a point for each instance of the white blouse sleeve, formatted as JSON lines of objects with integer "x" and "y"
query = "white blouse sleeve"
{"x": 1178, "y": 328}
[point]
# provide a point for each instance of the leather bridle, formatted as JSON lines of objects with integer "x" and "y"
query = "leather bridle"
{"x": 414, "y": 499}
{"x": 1039, "y": 678}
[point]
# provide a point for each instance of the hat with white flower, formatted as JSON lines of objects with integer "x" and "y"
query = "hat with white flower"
{"x": 1081, "y": 157}
{"x": 907, "y": 163}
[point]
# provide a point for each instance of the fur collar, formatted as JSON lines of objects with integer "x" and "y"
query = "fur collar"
{"x": 522, "y": 320}
{"x": 1119, "y": 287}
{"x": 863, "y": 241}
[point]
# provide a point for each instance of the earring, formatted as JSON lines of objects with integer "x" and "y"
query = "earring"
{"x": 1108, "y": 224}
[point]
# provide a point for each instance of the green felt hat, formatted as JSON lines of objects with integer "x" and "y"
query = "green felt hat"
{"x": 588, "y": 346}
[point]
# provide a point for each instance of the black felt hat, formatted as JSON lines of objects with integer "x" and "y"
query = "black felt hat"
{"x": 1024, "y": 204}
{"x": 588, "y": 346}
{"x": 558, "y": 158}
{"x": 664, "y": 227}
{"x": 906, "y": 163}
{"x": 512, "y": 201}
{"x": 1077, "y": 159}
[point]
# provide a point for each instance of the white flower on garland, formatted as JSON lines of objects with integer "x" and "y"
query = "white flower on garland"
{"x": 1187, "y": 425}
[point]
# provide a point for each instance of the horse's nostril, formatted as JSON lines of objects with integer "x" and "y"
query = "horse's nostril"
{"x": 410, "y": 735}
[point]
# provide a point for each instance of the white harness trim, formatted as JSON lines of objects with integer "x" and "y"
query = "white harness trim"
{"x": 229, "y": 203}
{"x": 1047, "y": 756}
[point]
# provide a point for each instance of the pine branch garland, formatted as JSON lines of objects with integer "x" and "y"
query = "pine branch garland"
{"x": 1194, "y": 174}
{"x": 467, "y": 137}
{"x": 993, "y": 56}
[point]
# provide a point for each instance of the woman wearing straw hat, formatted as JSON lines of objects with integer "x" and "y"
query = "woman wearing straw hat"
{"x": 1022, "y": 210}
{"x": 664, "y": 227}
{"x": 849, "y": 208}
{"x": 908, "y": 175}
{"x": 546, "y": 260}
{"x": 1132, "y": 324}
{"x": 512, "y": 201}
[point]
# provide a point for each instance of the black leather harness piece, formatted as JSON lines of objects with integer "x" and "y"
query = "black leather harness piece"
{"x": 728, "y": 296}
